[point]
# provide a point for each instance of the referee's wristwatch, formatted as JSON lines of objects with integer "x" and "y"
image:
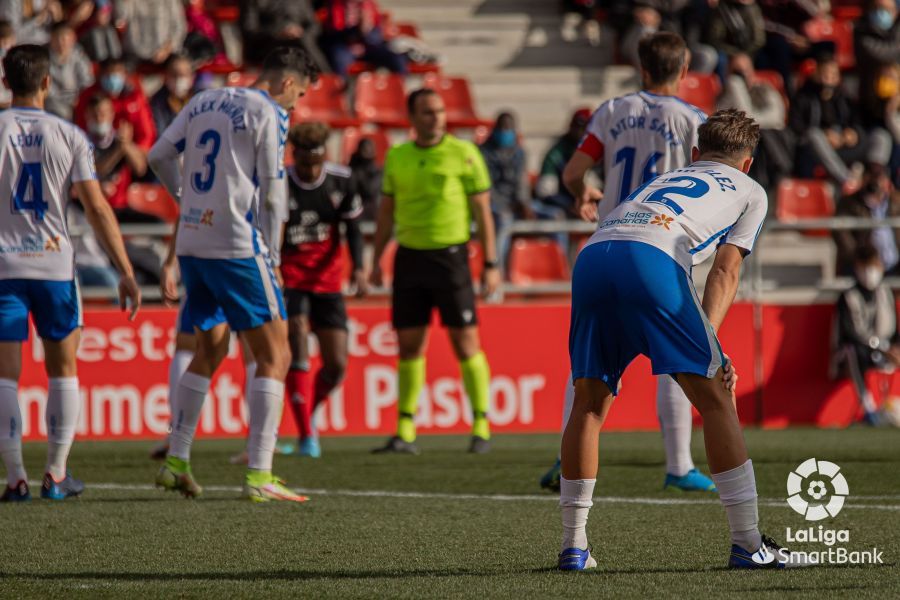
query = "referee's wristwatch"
{"x": 491, "y": 264}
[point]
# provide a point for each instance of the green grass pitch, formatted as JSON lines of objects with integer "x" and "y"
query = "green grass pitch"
{"x": 469, "y": 526}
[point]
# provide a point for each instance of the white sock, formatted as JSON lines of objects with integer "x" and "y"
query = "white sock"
{"x": 177, "y": 367}
{"x": 568, "y": 401}
{"x": 737, "y": 491}
{"x": 61, "y": 416}
{"x": 266, "y": 402}
{"x": 575, "y": 500}
{"x": 675, "y": 420}
{"x": 189, "y": 397}
{"x": 11, "y": 432}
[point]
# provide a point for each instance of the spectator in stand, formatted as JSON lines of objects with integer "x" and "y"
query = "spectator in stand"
{"x": 31, "y": 19}
{"x": 786, "y": 42}
{"x": 827, "y": 127}
{"x": 867, "y": 337}
{"x": 70, "y": 71}
{"x": 876, "y": 199}
{"x": 79, "y": 12}
{"x": 357, "y": 22}
{"x": 119, "y": 160}
{"x": 7, "y": 41}
{"x": 651, "y": 16}
{"x": 367, "y": 175}
{"x": 876, "y": 40}
{"x": 98, "y": 37}
{"x": 153, "y": 30}
{"x": 203, "y": 42}
{"x": 744, "y": 91}
{"x": 129, "y": 103}
{"x": 579, "y": 14}
{"x": 551, "y": 192}
{"x": 735, "y": 27}
{"x": 269, "y": 23}
{"x": 178, "y": 83}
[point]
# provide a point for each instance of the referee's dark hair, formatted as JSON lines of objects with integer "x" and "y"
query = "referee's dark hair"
{"x": 25, "y": 67}
{"x": 662, "y": 56}
{"x": 413, "y": 98}
{"x": 291, "y": 58}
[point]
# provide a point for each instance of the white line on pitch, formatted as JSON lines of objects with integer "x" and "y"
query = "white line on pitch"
{"x": 491, "y": 497}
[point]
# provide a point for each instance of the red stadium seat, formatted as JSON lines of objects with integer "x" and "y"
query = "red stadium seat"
{"x": 381, "y": 99}
{"x": 353, "y": 136}
{"x": 701, "y": 90}
{"x": 536, "y": 260}
{"x": 458, "y": 99}
{"x": 241, "y": 79}
{"x": 804, "y": 199}
{"x": 325, "y": 101}
{"x": 839, "y": 32}
{"x": 152, "y": 199}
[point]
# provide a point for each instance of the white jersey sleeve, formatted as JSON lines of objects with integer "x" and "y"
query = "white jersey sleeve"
{"x": 40, "y": 157}
{"x": 749, "y": 224}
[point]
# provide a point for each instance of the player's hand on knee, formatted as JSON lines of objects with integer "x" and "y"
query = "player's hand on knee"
{"x": 729, "y": 375}
{"x": 376, "y": 277}
{"x": 588, "y": 204}
{"x": 168, "y": 285}
{"x": 129, "y": 293}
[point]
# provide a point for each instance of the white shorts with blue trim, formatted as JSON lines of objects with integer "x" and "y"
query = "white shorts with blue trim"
{"x": 55, "y": 307}
{"x": 239, "y": 291}
{"x": 631, "y": 298}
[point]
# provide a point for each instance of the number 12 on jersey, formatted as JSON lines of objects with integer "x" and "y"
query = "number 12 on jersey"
{"x": 29, "y": 192}
{"x": 627, "y": 156}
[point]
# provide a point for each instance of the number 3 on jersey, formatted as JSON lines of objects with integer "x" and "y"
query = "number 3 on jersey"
{"x": 29, "y": 192}
{"x": 211, "y": 141}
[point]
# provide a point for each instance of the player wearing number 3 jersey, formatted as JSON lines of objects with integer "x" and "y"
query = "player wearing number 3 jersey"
{"x": 233, "y": 205}
{"x": 41, "y": 157}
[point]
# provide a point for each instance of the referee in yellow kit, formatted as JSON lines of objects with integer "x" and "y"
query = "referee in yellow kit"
{"x": 432, "y": 188}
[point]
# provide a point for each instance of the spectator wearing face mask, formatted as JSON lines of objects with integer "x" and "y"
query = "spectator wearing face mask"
{"x": 7, "y": 41}
{"x": 129, "y": 103}
{"x": 866, "y": 333}
{"x": 876, "y": 199}
{"x": 177, "y": 86}
{"x": 367, "y": 174}
{"x": 876, "y": 40}
{"x": 70, "y": 71}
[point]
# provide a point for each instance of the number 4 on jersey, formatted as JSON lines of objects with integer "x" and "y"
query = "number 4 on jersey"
{"x": 29, "y": 192}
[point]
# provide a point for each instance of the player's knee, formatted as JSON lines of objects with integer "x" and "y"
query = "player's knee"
{"x": 335, "y": 371}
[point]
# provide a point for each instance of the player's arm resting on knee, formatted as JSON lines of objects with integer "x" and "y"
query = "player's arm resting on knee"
{"x": 273, "y": 214}
{"x": 586, "y": 197}
{"x": 722, "y": 283}
{"x": 103, "y": 221}
{"x": 487, "y": 235}
{"x": 163, "y": 160}
{"x": 384, "y": 229}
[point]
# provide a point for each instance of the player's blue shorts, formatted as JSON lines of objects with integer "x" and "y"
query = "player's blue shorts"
{"x": 630, "y": 298}
{"x": 54, "y": 305}
{"x": 183, "y": 324}
{"x": 240, "y": 291}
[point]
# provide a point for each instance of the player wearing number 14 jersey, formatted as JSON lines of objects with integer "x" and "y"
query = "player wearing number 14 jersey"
{"x": 637, "y": 137}
{"x": 233, "y": 207}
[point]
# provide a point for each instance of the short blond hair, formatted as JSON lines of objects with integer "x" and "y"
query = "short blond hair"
{"x": 309, "y": 135}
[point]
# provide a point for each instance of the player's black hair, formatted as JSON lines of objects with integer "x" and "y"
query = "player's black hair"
{"x": 662, "y": 56}
{"x": 291, "y": 58}
{"x": 728, "y": 133}
{"x": 414, "y": 96}
{"x": 866, "y": 254}
{"x": 25, "y": 67}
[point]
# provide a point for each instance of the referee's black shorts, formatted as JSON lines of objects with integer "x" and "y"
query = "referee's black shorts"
{"x": 429, "y": 279}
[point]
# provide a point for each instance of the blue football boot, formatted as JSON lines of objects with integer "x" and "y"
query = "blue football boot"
{"x": 574, "y": 559}
{"x": 60, "y": 490}
{"x": 18, "y": 493}
{"x": 692, "y": 481}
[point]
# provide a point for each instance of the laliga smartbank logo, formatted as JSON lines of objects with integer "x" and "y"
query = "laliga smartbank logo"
{"x": 817, "y": 490}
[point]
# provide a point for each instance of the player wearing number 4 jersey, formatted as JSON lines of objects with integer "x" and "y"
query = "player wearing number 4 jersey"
{"x": 632, "y": 294}
{"x": 41, "y": 156}
{"x": 637, "y": 136}
{"x": 232, "y": 198}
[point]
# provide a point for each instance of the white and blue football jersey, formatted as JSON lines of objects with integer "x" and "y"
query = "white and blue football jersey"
{"x": 40, "y": 157}
{"x": 687, "y": 213}
{"x": 230, "y": 139}
{"x": 639, "y": 136}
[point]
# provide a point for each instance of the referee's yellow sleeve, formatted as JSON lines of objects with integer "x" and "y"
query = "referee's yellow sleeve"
{"x": 476, "y": 178}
